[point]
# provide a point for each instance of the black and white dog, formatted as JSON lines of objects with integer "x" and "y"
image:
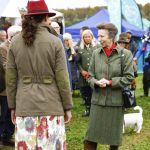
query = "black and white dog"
{"x": 134, "y": 120}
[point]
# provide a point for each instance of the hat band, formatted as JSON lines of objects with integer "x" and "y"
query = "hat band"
{"x": 37, "y": 11}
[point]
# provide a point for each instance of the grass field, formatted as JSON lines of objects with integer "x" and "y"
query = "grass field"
{"x": 131, "y": 140}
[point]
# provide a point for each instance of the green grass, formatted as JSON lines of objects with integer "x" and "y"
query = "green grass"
{"x": 131, "y": 141}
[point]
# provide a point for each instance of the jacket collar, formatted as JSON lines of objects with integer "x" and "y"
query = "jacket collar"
{"x": 117, "y": 49}
{"x": 43, "y": 26}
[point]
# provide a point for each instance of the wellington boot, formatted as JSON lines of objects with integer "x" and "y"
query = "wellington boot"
{"x": 113, "y": 148}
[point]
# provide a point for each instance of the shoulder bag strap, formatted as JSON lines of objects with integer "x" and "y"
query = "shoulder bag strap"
{"x": 121, "y": 59}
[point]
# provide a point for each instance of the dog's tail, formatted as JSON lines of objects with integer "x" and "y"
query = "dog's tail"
{"x": 139, "y": 108}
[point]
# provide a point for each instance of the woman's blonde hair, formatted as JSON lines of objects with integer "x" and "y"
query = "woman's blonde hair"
{"x": 93, "y": 43}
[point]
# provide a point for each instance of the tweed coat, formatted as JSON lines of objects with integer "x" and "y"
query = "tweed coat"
{"x": 106, "y": 117}
{"x": 109, "y": 68}
{"x": 36, "y": 77}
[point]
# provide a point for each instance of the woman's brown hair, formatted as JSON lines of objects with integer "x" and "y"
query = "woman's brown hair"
{"x": 111, "y": 28}
{"x": 29, "y": 28}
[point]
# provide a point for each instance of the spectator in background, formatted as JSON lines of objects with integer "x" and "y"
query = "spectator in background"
{"x": 70, "y": 56}
{"x": 77, "y": 46}
{"x": 123, "y": 40}
{"x": 132, "y": 43}
{"x": 56, "y": 27}
{"x": 37, "y": 83}
{"x": 85, "y": 51}
{"x": 124, "y": 43}
{"x": 3, "y": 36}
{"x": 146, "y": 75}
{"x": 7, "y": 24}
{"x": 107, "y": 112}
{"x": 144, "y": 50}
{"x": 6, "y": 125}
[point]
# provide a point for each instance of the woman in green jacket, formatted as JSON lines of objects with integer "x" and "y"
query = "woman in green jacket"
{"x": 106, "y": 117}
{"x": 87, "y": 46}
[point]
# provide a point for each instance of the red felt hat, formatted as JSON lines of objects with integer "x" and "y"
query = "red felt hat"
{"x": 36, "y": 7}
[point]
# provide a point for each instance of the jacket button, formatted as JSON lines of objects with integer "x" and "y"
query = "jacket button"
{"x": 104, "y": 94}
{"x": 107, "y": 62}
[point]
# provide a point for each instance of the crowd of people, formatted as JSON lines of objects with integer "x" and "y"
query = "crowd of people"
{"x": 43, "y": 68}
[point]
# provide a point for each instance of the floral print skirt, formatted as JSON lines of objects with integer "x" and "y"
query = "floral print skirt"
{"x": 40, "y": 133}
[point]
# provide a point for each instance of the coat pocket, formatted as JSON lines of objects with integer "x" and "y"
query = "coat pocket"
{"x": 117, "y": 97}
{"x": 95, "y": 96}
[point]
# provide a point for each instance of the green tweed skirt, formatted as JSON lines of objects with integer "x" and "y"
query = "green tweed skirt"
{"x": 105, "y": 125}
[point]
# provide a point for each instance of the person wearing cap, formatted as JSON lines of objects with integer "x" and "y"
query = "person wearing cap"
{"x": 6, "y": 125}
{"x": 37, "y": 83}
{"x": 124, "y": 43}
{"x": 132, "y": 43}
{"x": 56, "y": 27}
{"x": 87, "y": 47}
{"x": 123, "y": 40}
{"x": 106, "y": 115}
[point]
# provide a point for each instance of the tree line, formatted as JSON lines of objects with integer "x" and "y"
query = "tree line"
{"x": 73, "y": 16}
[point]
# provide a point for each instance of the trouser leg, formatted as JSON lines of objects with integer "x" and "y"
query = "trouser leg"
{"x": 87, "y": 94}
{"x": 3, "y": 117}
{"x": 113, "y": 147}
{"x": 88, "y": 145}
{"x": 82, "y": 94}
{"x": 7, "y": 127}
{"x": 145, "y": 86}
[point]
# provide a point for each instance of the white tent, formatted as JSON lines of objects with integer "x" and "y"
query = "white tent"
{"x": 10, "y": 8}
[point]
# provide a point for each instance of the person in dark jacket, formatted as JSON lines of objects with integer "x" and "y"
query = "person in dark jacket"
{"x": 143, "y": 51}
{"x": 124, "y": 43}
{"x": 132, "y": 43}
{"x": 6, "y": 125}
{"x": 107, "y": 111}
{"x": 70, "y": 57}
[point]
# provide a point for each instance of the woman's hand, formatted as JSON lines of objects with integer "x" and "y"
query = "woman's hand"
{"x": 103, "y": 82}
{"x": 67, "y": 116}
{"x": 85, "y": 74}
{"x": 13, "y": 116}
{"x": 70, "y": 43}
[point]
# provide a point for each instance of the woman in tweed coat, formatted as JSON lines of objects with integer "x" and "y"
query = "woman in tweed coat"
{"x": 106, "y": 117}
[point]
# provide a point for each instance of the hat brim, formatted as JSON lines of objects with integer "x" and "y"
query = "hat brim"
{"x": 50, "y": 14}
{"x": 128, "y": 31}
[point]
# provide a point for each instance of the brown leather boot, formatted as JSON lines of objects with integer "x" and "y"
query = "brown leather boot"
{"x": 112, "y": 147}
{"x": 88, "y": 145}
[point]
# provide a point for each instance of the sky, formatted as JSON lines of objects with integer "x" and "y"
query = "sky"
{"x": 65, "y": 4}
